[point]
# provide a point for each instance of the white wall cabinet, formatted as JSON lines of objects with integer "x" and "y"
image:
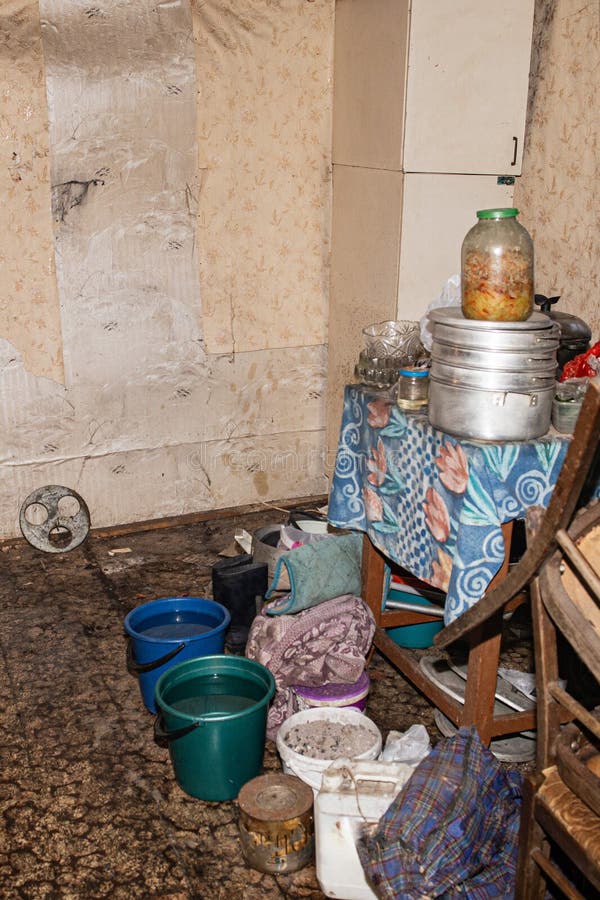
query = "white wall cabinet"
{"x": 429, "y": 101}
{"x": 467, "y": 83}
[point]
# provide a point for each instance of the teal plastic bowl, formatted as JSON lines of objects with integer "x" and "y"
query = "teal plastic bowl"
{"x": 417, "y": 637}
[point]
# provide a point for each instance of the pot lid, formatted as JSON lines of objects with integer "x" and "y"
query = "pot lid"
{"x": 452, "y": 315}
{"x": 275, "y": 797}
{"x": 572, "y": 328}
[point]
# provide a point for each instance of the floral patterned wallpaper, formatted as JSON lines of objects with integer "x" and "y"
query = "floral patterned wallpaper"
{"x": 264, "y": 108}
{"x": 559, "y": 191}
{"x": 29, "y": 310}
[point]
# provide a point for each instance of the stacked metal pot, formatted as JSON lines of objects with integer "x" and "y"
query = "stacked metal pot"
{"x": 492, "y": 380}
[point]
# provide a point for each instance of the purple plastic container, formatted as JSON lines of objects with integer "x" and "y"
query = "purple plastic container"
{"x": 354, "y": 695}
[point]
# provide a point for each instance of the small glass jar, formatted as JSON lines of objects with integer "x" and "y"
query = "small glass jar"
{"x": 497, "y": 268}
{"x": 412, "y": 388}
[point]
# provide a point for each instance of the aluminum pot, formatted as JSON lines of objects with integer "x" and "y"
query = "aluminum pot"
{"x": 450, "y": 326}
{"x": 538, "y": 360}
{"x": 493, "y": 379}
{"x": 490, "y": 415}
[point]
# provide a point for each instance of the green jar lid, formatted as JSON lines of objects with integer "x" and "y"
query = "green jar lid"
{"x": 507, "y": 213}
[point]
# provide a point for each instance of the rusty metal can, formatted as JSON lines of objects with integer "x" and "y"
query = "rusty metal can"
{"x": 276, "y": 823}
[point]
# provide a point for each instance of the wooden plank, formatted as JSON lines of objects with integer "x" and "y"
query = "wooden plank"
{"x": 206, "y": 515}
{"x": 482, "y": 674}
{"x": 373, "y": 568}
{"x": 555, "y": 875}
{"x": 576, "y": 709}
{"x": 484, "y": 654}
{"x": 528, "y": 883}
{"x": 546, "y": 671}
{"x": 395, "y": 618}
{"x": 513, "y": 723}
{"x": 408, "y": 664}
{"x": 581, "y": 628}
{"x": 578, "y": 561}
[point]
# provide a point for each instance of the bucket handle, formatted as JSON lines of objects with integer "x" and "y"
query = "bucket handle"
{"x": 164, "y": 738}
{"x": 137, "y": 668}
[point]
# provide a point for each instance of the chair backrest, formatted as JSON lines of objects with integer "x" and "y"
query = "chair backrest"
{"x": 570, "y": 586}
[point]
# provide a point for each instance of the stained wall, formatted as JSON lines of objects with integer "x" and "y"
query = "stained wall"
{"x": 165, "y": 181}
{"x": 164, "y": 261}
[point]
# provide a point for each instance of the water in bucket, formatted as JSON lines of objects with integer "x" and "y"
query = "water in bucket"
{"x": 213, "y": 718}
{"x": 223, "y": 696}
{"x": 169, "y": 630}
{"x": 172, "y": 630}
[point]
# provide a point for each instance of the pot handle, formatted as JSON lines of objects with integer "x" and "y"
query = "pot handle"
{"x": 137, "y": 668}
{"x": 552, "y": 334}
{"x": 533, "y": 397}
{"x": 164, "y": 738}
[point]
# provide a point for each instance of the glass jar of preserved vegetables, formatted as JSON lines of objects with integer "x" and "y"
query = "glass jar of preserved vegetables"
{"x": 497, "y": 268}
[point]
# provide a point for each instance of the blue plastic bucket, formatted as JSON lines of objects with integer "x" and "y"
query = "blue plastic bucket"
{"x": 167, "y": 631}
{"x": 213, "y": 718}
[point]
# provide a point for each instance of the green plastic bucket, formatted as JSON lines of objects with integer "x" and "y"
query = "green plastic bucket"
{"x": 212, "y": 715}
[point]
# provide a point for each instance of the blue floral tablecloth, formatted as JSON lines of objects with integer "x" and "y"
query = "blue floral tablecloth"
{"x": 431, "y": 502}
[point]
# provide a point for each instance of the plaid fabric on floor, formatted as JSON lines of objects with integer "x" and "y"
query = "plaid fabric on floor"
{"x": 452, "y": 831}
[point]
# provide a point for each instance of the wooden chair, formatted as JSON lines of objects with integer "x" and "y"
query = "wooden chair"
{"x": 481, "y": 624}
{"x": 561, "y": 802}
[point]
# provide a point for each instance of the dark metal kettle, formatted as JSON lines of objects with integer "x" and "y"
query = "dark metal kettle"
{"x": 575, "y": 334}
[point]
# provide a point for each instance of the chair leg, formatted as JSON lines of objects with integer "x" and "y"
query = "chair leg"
{"x": 530, "y": 884}
{"x": 482, "y": 674}
{"x": 373, "y": 567}
{"x": 546, "y": 664}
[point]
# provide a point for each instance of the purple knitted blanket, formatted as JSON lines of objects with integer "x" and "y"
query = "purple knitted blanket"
{"x": 327, "y": 644}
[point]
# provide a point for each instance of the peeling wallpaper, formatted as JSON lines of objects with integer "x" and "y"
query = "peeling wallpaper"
{"x": 124, "y": 181}
{"x": 185, "y": 261}
{"x": 171, "y": 447}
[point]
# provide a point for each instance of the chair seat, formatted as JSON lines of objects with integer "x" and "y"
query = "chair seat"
{"x": 571, "y": 823}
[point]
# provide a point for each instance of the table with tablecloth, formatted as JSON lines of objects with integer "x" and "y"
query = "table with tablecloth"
{"x": 431, "y": 502}
{"x": 444, "y": 508}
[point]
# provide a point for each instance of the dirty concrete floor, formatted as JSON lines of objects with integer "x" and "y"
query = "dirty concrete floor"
{"x": 89, "y": 804}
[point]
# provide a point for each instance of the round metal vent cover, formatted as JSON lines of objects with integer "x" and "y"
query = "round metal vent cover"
{"x": 54, "y": 519}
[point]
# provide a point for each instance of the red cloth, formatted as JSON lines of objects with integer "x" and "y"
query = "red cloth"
{"x": 580, "y": 367}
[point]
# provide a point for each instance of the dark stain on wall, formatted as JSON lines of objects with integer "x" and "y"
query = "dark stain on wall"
{"x": 69, "y": 194}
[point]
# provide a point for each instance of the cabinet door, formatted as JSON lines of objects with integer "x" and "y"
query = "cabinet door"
{"x": 369, "y": 72}
{"x": 437, "y": 212}
{"x": 468, "y": 71}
